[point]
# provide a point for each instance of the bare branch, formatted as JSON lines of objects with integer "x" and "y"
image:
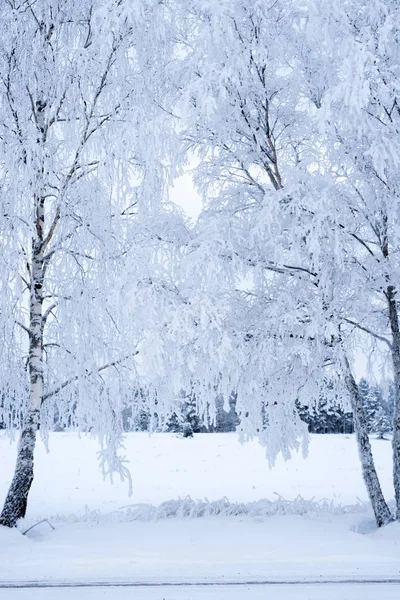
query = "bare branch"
{"x": 52, "y": 229}
{"x": 68, "y": 382}
{"x": 381, "y": 338}
{"x": 24, "y": 327}
{"x": 47, "y": 312}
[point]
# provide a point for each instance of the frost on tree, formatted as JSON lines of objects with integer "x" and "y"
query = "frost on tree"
{"x": 81, "y": 191}
{"x": 360, "y": 118}
{"x": 293, "y": 113}
{"x": 291, "y": 109}
{"x": 242, "y": 124}
{"x": 381, "y": 424}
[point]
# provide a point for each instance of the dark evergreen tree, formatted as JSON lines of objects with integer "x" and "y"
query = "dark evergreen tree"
{"x": 185, "y": 418}
{"x": 225, "y": 421}
{"x": 373, "y": 401}
{"x": 326, "y": 417}
{"x": 381, "y": 423}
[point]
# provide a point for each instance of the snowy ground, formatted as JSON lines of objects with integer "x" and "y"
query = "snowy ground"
{"x": 252, "y": 592}
{"x": 209, "y": 466}
{"x": 96, "y": 539}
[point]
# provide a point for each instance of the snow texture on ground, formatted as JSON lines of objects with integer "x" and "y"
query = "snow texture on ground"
{"x": 284, "y": 592}
{"x": 210, "y": 549}
{"x": 105, "y": 542}
{"x": 209, "y": 466}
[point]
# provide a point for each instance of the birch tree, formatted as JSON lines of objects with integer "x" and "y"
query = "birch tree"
{"x": 268, "y": 99}
{"x": 81, "y": 203}
{"x": 359, "y": 116}
{"x": 243, "y": 125}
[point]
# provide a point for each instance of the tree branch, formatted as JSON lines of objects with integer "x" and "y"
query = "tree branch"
{"x": 24, "y": 327}
{"x": 68, "y": 382}
{"x": 381, "y": 338}
{"x": 47, "y": 312}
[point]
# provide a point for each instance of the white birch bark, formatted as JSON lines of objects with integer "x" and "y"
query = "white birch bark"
{"x": 395, "y": 352}
{"x": 16, "y": 501}
{"x": 381, "y": 510}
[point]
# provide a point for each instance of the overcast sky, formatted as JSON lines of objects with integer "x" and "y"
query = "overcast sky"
{"x": 184, "y": 194}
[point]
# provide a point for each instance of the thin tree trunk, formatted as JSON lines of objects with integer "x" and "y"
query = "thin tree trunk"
{"x": 17, "y": 497}
{"x": 382, "y": 513}
{"x": 395, "y": 350}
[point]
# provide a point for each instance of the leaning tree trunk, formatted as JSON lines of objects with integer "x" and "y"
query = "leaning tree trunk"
{"x": 17, "y": 497}
{"x": 382, "y": 513}
{"x": 395, "y": 351}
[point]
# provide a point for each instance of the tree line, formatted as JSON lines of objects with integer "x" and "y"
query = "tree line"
{"x": 321, "y": 416}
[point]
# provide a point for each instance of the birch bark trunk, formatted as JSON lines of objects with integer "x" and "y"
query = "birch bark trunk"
{"x": 390, "y": 294}
{"x": 382, "y": 513}
{"x": 395, "y": 352}
{"x": 17, "y": 496}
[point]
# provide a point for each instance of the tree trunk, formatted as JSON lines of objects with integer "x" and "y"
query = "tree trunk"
{"x": 17, "y": 497}
{"x": 395, "y": 350}
{"x": 382, "y": 513}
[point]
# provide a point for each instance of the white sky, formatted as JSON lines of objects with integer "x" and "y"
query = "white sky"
{"x": 184, "y": 194}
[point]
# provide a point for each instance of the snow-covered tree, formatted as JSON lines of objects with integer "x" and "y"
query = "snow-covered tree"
{"x": 360, "y": 119}
{"x": 184, "y": 418}
{"x": 364, "y": 388}
{"x": 81, "y": 186}
{"x": 381, "y": 424}
{"x": 291, "y": 111}
{"x": 242, "y": 124}
{"x": 372, "y": 398}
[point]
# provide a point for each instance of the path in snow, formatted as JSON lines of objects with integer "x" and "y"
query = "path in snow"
{"x": 331, "y": 591}
{"x": 218, "y": 549}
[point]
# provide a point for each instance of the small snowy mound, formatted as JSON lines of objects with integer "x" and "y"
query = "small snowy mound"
{"x": 390, "y": 533}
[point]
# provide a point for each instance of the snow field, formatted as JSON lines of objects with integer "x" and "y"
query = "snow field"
{"x": 212, "y": 466}
{"x": 329, "y": 539}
